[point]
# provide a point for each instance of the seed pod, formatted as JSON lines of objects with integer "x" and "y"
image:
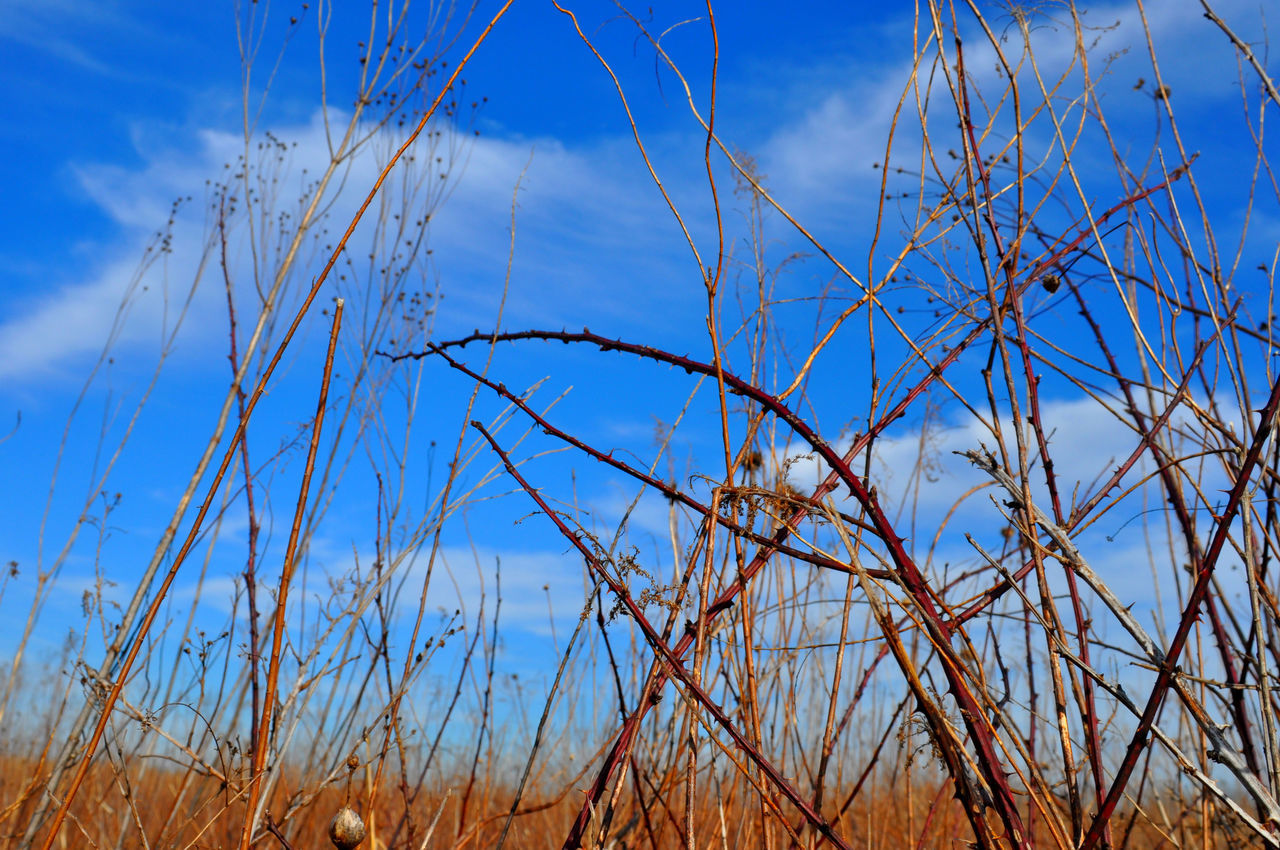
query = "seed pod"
{"x": 346, "y": 830}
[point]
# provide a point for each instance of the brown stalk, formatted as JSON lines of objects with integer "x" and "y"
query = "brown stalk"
{"x": 670, "y": 658}
{"x": 265, "y": 725}
{"x": 126, "y": 666}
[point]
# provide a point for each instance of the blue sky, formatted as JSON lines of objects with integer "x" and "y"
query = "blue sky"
{"x": 131, "y": 109}
{"x": 117, "y": 109}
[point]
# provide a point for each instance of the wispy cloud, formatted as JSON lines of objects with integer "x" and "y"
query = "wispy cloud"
{"x": 819, "y": 161}
{"x": 587, "y": 248}
{"x": 57, "y": 28}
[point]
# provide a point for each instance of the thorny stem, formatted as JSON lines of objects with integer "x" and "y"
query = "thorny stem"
{"x": 671, "y": 658}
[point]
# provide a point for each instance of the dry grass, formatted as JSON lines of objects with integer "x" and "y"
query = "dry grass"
{"x": 824, "y": 650}
{"x": 186, "y": 811}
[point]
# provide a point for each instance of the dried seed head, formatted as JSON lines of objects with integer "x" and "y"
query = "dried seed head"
{"x": 346, "y": 830}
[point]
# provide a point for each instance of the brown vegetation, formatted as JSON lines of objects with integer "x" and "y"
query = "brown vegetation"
{"x": 800, "y": 663}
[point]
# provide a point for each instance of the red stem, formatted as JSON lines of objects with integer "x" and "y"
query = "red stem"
{"x": 1169, "y": 667}
{"x": 674, "y": 664}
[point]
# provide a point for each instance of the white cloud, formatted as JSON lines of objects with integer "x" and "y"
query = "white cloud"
{"x": 70, "y": 323}
{"x": 587, "y": 245}
{"x": 43, "y": 25}
{"x": 537, "y": 587}
{"x": 821, "y": 160}
{"x": 1085, "y": 440}
{"x": 832, "y": 146}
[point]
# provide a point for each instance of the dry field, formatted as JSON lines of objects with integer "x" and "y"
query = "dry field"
{"x": 957, "y": 532}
